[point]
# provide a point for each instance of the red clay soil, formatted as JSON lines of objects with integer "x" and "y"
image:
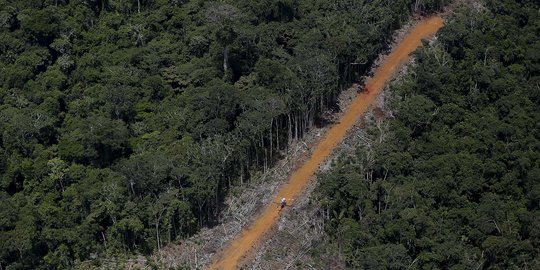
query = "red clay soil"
{"x": 230, "y": 256}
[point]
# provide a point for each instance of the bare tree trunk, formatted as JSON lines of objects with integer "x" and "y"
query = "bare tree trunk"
{"x": 264, "y": 148}
{"x": 225, "y": 59}
{"x": 265, "y": 163}
{"x": 416, "y": 6}
{"x": 271, "y": 139}
{"x": 290, "y": 126}
{"x": 131, "y": 184}
{"x": 256, "y": 155}
{"x": 241, "y": 176}
{"x": 138, "y": 6}
{"x": 296, "y": 127}
{"x": 157, "y": 235}
{"x": 104, "y": 239}
{"x": 277, "y": 135}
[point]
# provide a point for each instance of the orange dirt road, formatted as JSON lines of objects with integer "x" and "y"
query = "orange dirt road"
{"x": 229, "y": 257}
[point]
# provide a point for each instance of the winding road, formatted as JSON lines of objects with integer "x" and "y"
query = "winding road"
{"x": 231, "y": 255}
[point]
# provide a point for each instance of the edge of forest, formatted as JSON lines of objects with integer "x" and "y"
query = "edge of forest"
{"x": 197, "y": 251}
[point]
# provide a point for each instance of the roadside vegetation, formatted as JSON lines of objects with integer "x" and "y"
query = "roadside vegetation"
{"x": 123, "y": 124}
{"x": 451, "y": 180}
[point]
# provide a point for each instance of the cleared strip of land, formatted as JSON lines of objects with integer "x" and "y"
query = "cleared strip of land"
{"x": 229, "y": 257}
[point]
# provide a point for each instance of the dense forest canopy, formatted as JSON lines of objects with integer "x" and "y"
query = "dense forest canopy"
{"x": 453, "y": 181}
{"x": 123, "y": 123}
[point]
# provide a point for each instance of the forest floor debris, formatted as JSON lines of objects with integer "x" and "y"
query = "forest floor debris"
{"x": 240, "y": 247}
{"x": 242, "y": 205}
{"x": 246, "y": 201}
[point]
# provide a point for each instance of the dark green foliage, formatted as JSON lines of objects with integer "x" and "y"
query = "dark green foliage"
{"x": 455, "y": 184}
{"x": 124, "y": 123}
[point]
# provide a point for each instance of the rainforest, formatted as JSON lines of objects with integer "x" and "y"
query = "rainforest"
{"x": 126, "y": 125}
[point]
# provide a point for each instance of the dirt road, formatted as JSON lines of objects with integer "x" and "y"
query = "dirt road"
{"x": 231, "y": 255}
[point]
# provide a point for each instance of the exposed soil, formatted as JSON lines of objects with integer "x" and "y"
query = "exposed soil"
{"x": 230, "y": 257}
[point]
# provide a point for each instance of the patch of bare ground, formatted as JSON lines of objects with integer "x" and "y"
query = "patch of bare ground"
{"x": 245, "y": 202}
{"x": 299, "y": 241}
{"x": 296, "y": 240}
{"x": 241, "y": 207}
